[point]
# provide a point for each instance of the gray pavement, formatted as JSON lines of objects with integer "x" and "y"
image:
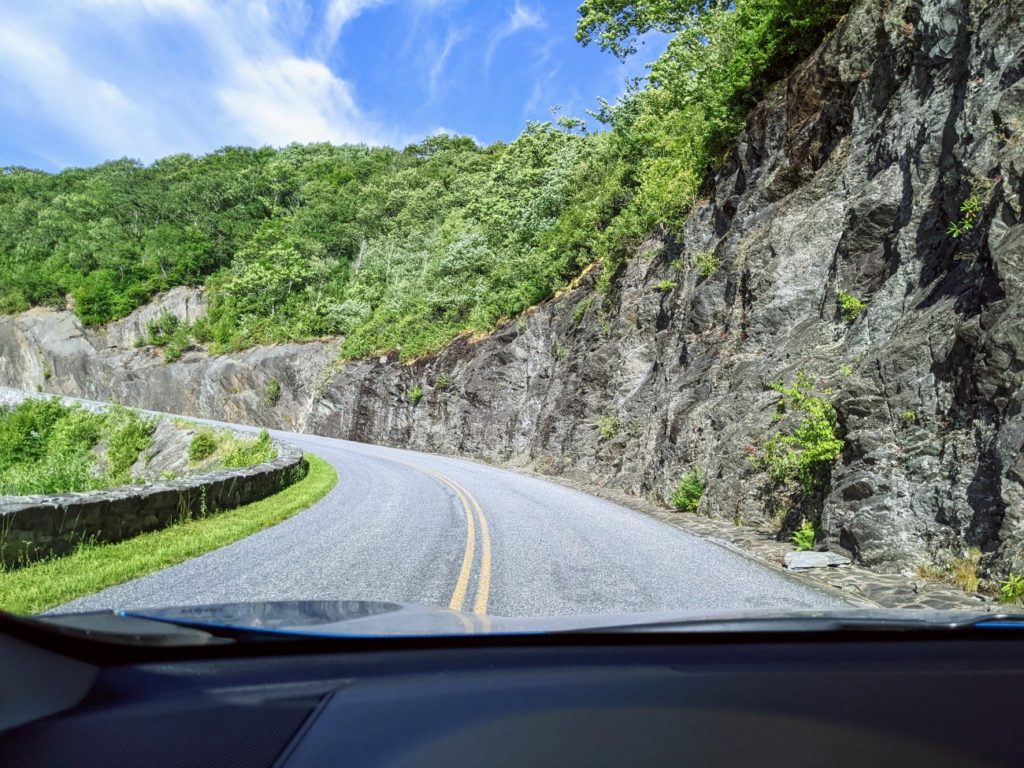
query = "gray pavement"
{"x": 395, "y": 528}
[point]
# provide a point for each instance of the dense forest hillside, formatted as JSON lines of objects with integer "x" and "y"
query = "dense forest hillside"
{"x": 404, "y": 249}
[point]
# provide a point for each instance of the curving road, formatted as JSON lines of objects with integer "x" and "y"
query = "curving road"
{"x": 427, "y": 529}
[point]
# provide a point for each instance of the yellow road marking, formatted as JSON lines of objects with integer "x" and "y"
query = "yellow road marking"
{"x": 483, "y": 588}
{"x": 462, "y": 583}
{"x": 470, "y": 505}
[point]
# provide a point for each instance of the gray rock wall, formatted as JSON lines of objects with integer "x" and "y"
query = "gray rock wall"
{"x": 846, "y": 179}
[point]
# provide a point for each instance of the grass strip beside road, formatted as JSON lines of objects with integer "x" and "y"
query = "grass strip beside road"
{"x": 93, "y": 567}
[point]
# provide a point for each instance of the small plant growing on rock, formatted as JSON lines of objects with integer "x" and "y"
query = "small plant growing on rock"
{"x": 443, "y": 382}
{"x": 964, "y": 570}
{"x": 688, "y": 492}
{"x": 203, "y": 445}
{"x": 804, "y": 536}
{"x": 667, "y": 285}
{"x": 249, "y": 453}
{"x": 808, "y": 451}
{"x": 909, "y": 417}
{"x": 581, "y": 309}
{"x": 850, "y": 307}
{"x": 415, "y": 394}
{"x": 160, "y": 329}
{"x": 272, "y": 393}
{"x": 969, "y": 210}
{"x": 706, "y": 263}
{"x": 1012, "y": 590}
{"x": 608, "y": 426}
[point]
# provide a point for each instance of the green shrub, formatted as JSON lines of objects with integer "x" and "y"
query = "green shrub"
{"x": 688, "y": 492}
{"x": 706, "y": 263}
{"x": 406, "y": 249}
{"x": 808, "y": 452}
{"x": 581, "y": 309}
{"x": 415, "y": 394}
{"x": 204, "y": 444}
{"x": 201, "y": 331}
{"x": 667, "y": 285}
{"x": 247, "y": 453}
{"x": 608, "y": 426}
{"x": 443, "y": 382}
{"x": 160, "y": 329}
{"x": 168, "y": 331}
{"x": 127, "y": 436}
{"x": 804, "y": 536}
{"x": 1012, "y": 590}
{"x": 909, "y": 416}
{"x": 850, "y": 307}
{"x": 272, "y": 393}
{"x": 969, "y": 210}
{"x": 47, "y": 447}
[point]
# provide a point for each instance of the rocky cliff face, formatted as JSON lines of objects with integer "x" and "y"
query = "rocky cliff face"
{"x": 846, "y": 179}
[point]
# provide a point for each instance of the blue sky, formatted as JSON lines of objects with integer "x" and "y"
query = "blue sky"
{"x": 90, "y": 80}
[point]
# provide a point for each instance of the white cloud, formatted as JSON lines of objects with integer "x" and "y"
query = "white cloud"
{"x": 522, "y": 17}
{"x": 437, "y": 69}
{"x": 339, "y": 13}
{"x": 96, "y": 112}
{"x": 254, "y": 87}
{"x": 278, "y": 101}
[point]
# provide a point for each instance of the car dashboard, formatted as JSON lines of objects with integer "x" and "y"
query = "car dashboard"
{"x": 571, "y": 699}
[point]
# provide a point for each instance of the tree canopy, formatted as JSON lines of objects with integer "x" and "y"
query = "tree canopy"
{"x": 406, "y": 249}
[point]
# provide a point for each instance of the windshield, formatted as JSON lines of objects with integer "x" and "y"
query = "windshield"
{"x": 435, "y": 317}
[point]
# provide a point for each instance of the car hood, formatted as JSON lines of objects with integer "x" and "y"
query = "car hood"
{"x": 367, "y": 618}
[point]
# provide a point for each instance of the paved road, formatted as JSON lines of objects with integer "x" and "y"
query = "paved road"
{"x": 426, "y": 529}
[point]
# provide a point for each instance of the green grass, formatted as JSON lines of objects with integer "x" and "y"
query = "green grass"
{"x": 93, "y": 567}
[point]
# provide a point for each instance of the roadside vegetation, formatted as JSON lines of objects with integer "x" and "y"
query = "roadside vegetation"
{"x": 802, "y": 453}
{"x": 689, "y": 491}
{"x": 405, "y": 248}
{"x": 48, "y": 447}
{"x": 225, "y": 449}
{"x": 48, "y": 583}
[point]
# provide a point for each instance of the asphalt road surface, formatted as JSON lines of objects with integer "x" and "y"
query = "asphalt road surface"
{"x": 432, "y": 530}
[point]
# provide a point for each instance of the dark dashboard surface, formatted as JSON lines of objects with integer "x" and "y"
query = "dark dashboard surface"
{"x": 883, "y": 702}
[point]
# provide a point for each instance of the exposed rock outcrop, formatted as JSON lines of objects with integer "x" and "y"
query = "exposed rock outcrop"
{"x": 846, "y": 179}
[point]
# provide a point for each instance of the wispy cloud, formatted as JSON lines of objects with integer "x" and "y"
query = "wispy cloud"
{"x": 99, "y": 113}
{"x": 522, "y": 17}
{"x": 260, "y": 89}
{"x": 338, "y": 14}
{"x": 437, "y": 69}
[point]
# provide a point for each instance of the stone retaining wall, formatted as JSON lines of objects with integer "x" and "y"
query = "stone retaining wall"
{"x": 32, "y": 527}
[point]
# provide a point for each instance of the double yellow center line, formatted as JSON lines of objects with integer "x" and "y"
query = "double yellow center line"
{"x": 474, "y": 518}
